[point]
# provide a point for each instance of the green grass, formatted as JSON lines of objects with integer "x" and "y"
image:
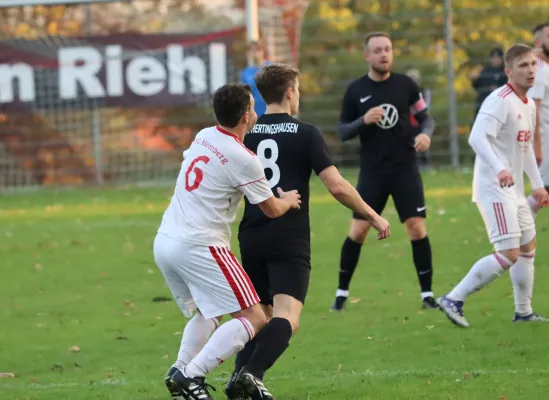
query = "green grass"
{"x": 77, "y": 270}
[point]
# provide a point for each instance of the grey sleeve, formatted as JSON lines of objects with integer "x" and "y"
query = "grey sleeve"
{"x": 426, "y": 122}
{"x": 349, "y": 130}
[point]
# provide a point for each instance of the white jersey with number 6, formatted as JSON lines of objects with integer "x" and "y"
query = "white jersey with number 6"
{"x": 509, "y": 123}
{"x": 216, "y": 172}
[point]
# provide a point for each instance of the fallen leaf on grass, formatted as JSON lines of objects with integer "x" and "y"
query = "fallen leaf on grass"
{"x": 158, "y": 317}
{"x": 7, "y": 375}
{"x": 38, "y": 266}
{"x": 429, "y": 382}
{"x": 430, "y": 327}
{"x": 165, "y": 356}
{"x": 121, "y": 338}
{"x": 354, "y": 300}
{"x": 74, "y": 349}
{"x": 128, "y": 303}
{"x": 339, "y": 366}
{"x": 58, "y": 367}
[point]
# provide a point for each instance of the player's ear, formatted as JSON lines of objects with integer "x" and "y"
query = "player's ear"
{"x": 246, "y": 117}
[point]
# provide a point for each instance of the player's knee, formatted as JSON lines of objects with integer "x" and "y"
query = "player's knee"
{"x": 415, "y": 227}
{"x": 511, "y": 255}
{"x": 255, "y": 315}
{"x": 295, "y": 325}
{"x": 528, "y": 241}
{"x": 359, "y": 230}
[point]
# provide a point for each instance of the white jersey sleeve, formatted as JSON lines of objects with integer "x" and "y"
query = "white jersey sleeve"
{"x": 489, "y": 121}
{"x": 538, "y": 91}
{"x": 495, "y": 108}
{"x": 252, "y": 182}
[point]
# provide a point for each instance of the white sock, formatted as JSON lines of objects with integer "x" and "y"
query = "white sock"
{"x": 533, "y": 204}
{"x": 424, "y": 295}
{"x": 481, "y": 274}
{"x": 195, "y": 336}
{"x": 342, "y": 293}
{"x": 228, "y": 340}
{"x": 522, "y": 276}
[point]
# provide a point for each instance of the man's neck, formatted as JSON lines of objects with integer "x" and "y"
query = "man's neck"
{"x": 278, "y": 109}
{"x": 540, "y": 53}
{"x": 376, "y": 76}
{"x": 238, "y": 131}
{"x": 520, "y": 91}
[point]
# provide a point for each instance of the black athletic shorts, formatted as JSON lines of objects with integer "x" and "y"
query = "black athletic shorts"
{"x": 274, "y": 273}
{"x": 403, "y": 185}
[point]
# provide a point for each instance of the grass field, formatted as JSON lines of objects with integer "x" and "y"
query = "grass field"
{"x": 77, "y": 273}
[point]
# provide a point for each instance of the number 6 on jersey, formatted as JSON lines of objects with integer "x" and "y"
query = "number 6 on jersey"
{"x": 270, "y": 162}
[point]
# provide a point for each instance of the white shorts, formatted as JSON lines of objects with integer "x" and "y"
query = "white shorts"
{"x": 508, "y": 220}
{"x": 208, "y": 278}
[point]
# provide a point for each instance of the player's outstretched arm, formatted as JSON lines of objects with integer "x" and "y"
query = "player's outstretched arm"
{"x": 537, "y": 135}
{"x": 347, "y": 195}
{"x": 275, "y": 207}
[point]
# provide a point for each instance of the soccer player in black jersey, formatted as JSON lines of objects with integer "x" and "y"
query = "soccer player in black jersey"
{"x": 276, "y": 253}
{"x": 376, "y": 108}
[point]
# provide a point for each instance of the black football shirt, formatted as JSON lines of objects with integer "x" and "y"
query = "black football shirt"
{"x": 389, "y": 144}
{"x": 289, "y": 150}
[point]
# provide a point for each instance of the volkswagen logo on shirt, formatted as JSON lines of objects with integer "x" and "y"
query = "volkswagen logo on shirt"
{"x": 390, "y": 117}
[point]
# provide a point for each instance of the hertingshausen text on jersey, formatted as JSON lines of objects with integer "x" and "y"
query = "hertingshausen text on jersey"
{"x": 271, "y": 129}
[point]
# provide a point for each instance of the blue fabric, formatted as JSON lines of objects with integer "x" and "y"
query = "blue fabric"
{"x": 247, "y": 77}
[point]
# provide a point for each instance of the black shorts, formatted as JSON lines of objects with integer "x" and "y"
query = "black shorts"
{"x": 404, "y": 186}
{"x": 275, "y": 273}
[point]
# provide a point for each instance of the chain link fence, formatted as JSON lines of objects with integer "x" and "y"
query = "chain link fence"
{"x": 112, "y": 92}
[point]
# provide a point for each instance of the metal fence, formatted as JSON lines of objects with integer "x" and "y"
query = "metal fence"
{"x": 112, "y": 93}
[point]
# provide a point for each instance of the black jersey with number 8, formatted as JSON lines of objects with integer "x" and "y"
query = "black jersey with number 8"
{"x": 289, "y": 150}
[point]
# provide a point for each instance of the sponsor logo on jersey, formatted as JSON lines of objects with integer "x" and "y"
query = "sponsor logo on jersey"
{"x": 390, "y": 117}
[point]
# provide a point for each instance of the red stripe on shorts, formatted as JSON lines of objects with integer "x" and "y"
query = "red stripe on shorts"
{"x": 234, "y": 286}
{"x": 236, "y": 274}
{"x": 250, "y": 286}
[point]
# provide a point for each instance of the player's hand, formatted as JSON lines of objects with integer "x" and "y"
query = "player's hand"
{"x": 423, "y": 142}
{"x": 291, "y": 196}
{"x": 505, "y": 179}
{"x": 541, "y": 196}
{"x": 381, "y": 225}
{"x": 538, "y": 152}
{"x": 374, "y": 115}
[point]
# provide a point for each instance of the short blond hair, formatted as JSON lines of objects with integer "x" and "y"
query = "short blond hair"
{"x": 516, "y": 52}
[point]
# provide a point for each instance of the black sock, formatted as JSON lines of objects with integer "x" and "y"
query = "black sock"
{"x": 350, "y": 253}
{"x": 421, "y": 251}
{"x": 244, "y": 355}
{"x": 270, "y": 345}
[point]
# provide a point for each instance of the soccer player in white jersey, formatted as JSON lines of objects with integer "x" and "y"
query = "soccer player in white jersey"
{"x": 540, "y": 94}
{"x": 502, "y": 140}
{"x": 192, "y": 245}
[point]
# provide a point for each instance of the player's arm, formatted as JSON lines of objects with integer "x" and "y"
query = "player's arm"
{"x": 419, "y": 109}
{"x": 489, "y": 121}
{"x": 538, "y": 152}
{"x": 537, "y": 92}
{"x": 252, "y": 182}
{"x": 340, "y": 188}
{"x": 350, "y": 121}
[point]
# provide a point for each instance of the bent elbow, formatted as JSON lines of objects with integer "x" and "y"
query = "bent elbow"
{"x": 336, "y": 188}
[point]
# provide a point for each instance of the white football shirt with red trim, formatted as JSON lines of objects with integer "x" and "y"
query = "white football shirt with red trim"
{"x": 216, "y": 172}
{"x": 512, "y": 121}
{"x": 540, "y": 91}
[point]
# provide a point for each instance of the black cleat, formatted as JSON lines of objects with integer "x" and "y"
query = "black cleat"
{"x": 182, "y": 387}
{"x": 233, "y": 391}
{"x": 252, "y": 386}
{"x": 429, "y": 303}
{"x": 169, "y": 375}
{"x": 339, "y": 304}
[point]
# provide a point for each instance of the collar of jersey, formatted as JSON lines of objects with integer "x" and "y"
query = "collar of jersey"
{"x": 525, "y": 100}
{"x": 225, "y": 132}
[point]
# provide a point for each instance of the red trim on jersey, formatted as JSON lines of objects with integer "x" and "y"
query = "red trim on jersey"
{"x": 226, "y": 132}
{"x": 249, "y": 183}
{"x": 230, "y": 279}
{"x": 523, "y": 99}
{"x": 500, "y": 218}
{"x": 506, "y": 91}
